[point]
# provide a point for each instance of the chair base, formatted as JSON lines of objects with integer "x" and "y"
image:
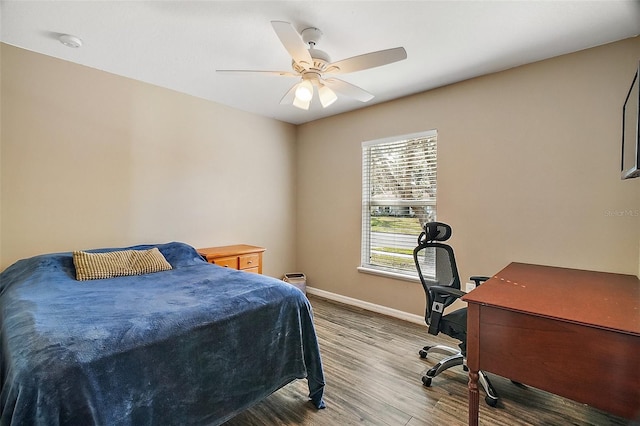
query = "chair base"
{"x": 454, "y": 358}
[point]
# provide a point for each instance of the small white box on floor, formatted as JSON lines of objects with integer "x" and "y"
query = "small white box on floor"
{"x": 296, "y": 279}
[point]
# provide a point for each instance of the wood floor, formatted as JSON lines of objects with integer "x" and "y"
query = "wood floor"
{"x": 373, "y": 371}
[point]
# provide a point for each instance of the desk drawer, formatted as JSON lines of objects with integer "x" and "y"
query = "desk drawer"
{"x": 562, "y": 357}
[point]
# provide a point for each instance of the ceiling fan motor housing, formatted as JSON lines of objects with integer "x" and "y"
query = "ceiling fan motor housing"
{"x": 320, "y": 62}
{"x": 311, "y": 36}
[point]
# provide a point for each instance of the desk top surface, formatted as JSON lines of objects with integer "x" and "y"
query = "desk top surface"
{"x": 599, "y": 299}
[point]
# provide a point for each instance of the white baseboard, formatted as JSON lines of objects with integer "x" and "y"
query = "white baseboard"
{"x": 367, "y": 305}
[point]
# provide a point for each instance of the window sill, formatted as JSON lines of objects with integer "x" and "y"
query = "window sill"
{"x": 388, "y": 274}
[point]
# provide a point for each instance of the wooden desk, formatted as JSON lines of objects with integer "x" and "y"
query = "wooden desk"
{"x": 570, "y": 332}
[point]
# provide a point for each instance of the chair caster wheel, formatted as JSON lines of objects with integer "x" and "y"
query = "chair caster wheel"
{"x": 426, "y": 381}
{"x": 490, "y": 401}
{"x": 422, "y": 353}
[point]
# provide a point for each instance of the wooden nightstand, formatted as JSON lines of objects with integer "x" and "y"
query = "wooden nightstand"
{"x": 239, "y": 256}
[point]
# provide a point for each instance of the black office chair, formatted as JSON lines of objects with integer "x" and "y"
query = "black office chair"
{"x": 436, "y": 265}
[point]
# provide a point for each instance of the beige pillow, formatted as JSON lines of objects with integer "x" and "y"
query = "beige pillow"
{"x": 92, "y": 266}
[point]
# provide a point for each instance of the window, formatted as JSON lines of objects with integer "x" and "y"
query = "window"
{"x": 398, "y": 198}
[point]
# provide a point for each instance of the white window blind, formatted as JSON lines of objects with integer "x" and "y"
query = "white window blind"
{"x": 398, "y": 198}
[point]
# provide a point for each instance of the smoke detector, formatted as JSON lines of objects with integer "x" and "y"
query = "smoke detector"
{"x": 70, "y": 41}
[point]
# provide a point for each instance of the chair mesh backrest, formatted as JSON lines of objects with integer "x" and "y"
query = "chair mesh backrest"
{"x": 436, "y": 265}
{"x": 435, "y": 261}
{"x": 445, "y": 263}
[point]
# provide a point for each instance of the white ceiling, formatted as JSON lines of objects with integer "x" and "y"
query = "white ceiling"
{"x": 180, "y": 44}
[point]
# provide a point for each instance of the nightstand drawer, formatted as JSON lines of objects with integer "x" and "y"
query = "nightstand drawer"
{"x": 249, "y": 261}
{"x": 227, "y": 262}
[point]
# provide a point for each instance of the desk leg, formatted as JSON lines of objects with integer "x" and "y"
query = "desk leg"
{"x": 473, "y": 360}
{"x": 474, "y": 398}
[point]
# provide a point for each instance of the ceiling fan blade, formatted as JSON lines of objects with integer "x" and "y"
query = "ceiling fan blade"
{"x": 280, "y": 73}
{"x": 291, "y": 41}
{"x": 348, "y": 89}
{"x": 368, "y": 60}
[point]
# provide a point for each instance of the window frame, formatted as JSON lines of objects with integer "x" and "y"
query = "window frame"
{"x": 367, "y": 203}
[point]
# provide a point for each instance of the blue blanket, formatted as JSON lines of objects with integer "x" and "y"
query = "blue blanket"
{"x": 194, "y": 345}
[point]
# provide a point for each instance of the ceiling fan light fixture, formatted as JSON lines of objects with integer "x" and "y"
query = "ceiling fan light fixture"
{"x": 327, "y": 96}
{"x": 301, "y": 104}
{"x": 304, "y": 92}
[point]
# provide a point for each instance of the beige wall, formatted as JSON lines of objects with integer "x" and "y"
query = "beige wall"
{"x": 90, "y": 159}
{"x": 528, "y": 170}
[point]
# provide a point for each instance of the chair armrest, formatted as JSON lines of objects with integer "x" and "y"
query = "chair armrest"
{"x": 439, "y": 290}
{"x": 479, "y": 279}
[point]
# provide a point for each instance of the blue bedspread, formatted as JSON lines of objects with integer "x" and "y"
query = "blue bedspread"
{"x": 191, "y": 346}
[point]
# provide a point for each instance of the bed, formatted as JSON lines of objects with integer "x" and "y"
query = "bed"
{"x": 194, "y": 345}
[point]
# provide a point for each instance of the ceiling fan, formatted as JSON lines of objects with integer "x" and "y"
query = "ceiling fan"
{"x": 311, "y": 65}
